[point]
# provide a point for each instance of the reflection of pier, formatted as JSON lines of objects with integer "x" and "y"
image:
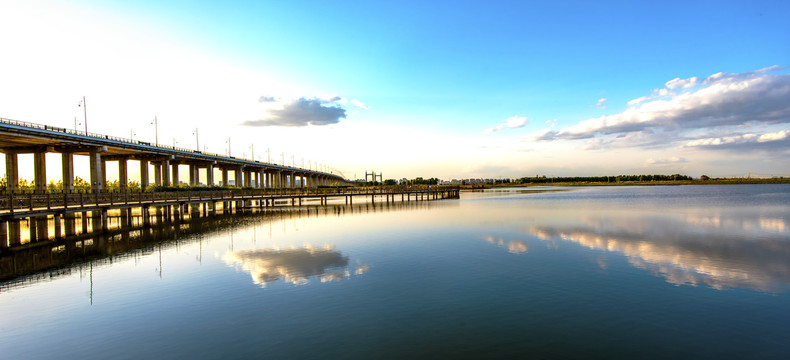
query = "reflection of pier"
{"x": 40, "y": 255}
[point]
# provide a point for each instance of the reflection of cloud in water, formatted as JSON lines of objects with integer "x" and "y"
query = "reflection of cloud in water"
{"x": 774, "y": 225}
{"x": 514, "y": 246}
{"x": 716, "y": 251}
{"x": 294, "y": 266}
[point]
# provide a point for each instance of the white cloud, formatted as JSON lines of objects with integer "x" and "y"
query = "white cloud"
{"x": 665, "y": 161}
{"x": 719, "y": 101}
{"x": 741, "y": 140}
{"x": 637, "y": 100}
{"x": 513, "y": 122}
{"x": 601, "y": 103}
{"x": 301, "y": 112}
{"x": 359, "y": 104}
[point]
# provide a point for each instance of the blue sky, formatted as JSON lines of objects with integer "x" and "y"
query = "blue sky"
{"x": 452, "y": 89}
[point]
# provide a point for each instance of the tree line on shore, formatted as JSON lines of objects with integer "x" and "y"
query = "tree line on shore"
{"x": 602, "y": 179}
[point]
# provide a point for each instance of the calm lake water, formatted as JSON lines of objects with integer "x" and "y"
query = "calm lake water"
{"x": 614, "y": 272}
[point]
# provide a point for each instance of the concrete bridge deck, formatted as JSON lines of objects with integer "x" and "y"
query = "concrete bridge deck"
{"x": 18, "y": 137}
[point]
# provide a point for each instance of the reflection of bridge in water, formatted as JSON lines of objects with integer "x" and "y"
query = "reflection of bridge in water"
{"x": 125, "y": 234}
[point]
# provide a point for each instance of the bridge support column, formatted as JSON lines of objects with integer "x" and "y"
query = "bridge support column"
{"x": 67, "y": 161}
{"x": 40, "y": 166}
{"x": 143, "y": 174}
{"x": 166, "y": 173}
{"x": 176, "y": 177}
{"x": 123, "y": 174}
{"x": 237, "y": 178}
{"x": 194, "y": 174}
{"x": 224, "y": 177}
{"x": 96, "y": 165}
{"x": 12, "y": 172}
{"x": 247, "y": 177}
{"x": 157, "y": 173}
{"x": 210, "y": 175}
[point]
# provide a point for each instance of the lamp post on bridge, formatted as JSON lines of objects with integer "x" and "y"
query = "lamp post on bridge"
{"x": 155, "y": 122}
{"x": 84, "y": 105}
{"x": 197, "y": 140}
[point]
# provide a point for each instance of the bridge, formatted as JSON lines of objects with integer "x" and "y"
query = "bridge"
{"x": 259, "y": 185}
{"x": 18, "y": 137}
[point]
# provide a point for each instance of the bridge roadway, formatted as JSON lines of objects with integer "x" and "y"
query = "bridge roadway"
{"x": 18, "y": 137}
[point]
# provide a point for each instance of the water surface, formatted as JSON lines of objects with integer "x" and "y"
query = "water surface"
{"x": 615, "y": 272}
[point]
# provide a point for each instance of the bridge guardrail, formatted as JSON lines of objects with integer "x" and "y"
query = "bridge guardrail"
{"x": 30, "y": 202}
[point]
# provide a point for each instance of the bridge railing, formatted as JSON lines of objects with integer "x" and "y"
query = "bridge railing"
{"x": 30, "y": 202}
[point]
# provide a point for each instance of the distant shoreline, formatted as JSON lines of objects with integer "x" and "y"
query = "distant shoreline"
{"x": 639, "y": 183}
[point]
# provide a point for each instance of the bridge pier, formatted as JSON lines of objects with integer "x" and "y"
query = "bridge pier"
{"x": 143, "y": 174}
{"x": 40, "y": 172}
{"x": 210, "y": 175}
{"x": 67, "y": 163}
{"x": 123, "y": 175}
{"x": 97, "y": 170}
{"x": 176, "y": 178}
{"x": 12, "y": 171}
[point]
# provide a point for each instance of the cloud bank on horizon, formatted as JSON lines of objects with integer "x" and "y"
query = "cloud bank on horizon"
{"x": 722, "y": 111}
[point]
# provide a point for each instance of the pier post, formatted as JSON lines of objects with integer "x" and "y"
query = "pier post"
{"x": 14, "y": 232}
{"x": 70, "y": 222}
{"x": 3, "y": 235}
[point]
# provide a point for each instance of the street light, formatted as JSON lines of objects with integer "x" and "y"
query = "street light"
{"x": 84, "y": 106}
{"x": 228, "y": 142}
{"x": 252, "y": 151}
{"x": 131, "y": 134}
{"x": 197, "y": 141}
{"x": 268, "y": 156}
{"x": 156, "y": 130}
